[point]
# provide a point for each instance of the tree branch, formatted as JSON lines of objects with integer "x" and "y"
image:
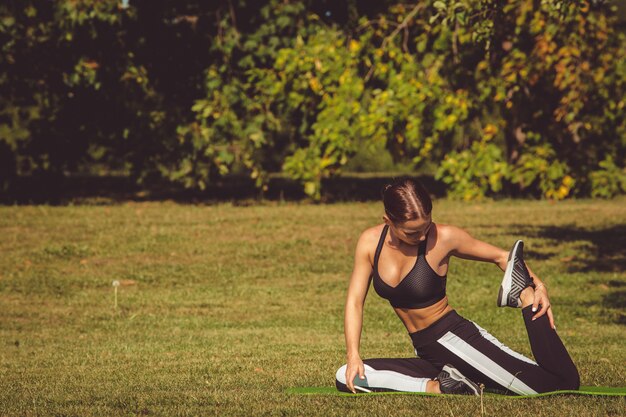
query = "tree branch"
{"x": 401, "y": 26}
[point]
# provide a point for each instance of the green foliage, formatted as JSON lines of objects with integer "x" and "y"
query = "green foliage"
{"x": 374, "y": 157}
{"x": 539, "y": 165}
{"x": 609, "y": 180}
{"x": 248, "y": 119}
{"x": 324, "y": 70}
{"x": 506, "y": 95}
{"x": 475, "y": 172}
{"x": 543, "y": 76}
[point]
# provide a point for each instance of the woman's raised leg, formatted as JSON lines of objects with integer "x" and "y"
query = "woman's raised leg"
{"x": 547, "y": 347}
{"x": 484, "y": 359}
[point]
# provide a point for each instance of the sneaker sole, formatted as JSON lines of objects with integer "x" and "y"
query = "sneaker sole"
{"x": 505, "y": 286}
{"x": 455, "y": 374}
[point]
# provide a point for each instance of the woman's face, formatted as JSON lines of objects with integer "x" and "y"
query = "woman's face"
{"x": 413, "y": 231}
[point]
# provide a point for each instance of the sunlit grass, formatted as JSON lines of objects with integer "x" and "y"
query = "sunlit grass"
{"x": 222, "y": 308}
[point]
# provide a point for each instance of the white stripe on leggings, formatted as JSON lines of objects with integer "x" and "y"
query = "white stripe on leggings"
{"x": 484, "y": 364}
{"x": 484, "y": 333}
{"x": 377, "y": 378}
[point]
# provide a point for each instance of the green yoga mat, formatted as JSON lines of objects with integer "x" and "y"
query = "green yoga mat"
{"x": 616, "y": 391}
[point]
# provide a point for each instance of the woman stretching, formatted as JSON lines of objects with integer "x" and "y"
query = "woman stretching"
{"x": 407, "y": 258}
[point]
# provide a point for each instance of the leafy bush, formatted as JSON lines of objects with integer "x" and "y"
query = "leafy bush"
{"x": 518, "y": 93}
{"x": 609, "y": 180}
{"x": 476, "y": 172}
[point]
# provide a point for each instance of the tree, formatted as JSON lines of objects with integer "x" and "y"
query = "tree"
{"x": 514, "y": 96}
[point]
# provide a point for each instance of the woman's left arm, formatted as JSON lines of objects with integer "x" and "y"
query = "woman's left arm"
{"x": 462, "y": 245}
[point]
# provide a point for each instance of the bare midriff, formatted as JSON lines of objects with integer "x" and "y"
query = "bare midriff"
{"x": 416, "y": 319}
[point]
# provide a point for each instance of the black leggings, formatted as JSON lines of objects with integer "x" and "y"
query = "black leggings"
{"x": 478, "y": 356}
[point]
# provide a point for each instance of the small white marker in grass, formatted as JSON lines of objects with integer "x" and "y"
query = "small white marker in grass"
{"x": 116, "y": 284}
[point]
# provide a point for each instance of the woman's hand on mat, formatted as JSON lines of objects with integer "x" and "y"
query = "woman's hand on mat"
{"x": 354, "y": 367}
{"x": 541, "y": 299}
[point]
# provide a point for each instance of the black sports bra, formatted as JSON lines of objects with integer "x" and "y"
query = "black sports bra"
{"x": 421, "y": 287}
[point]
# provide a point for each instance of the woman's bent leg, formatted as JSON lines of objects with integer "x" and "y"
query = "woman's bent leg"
{"x": 391, "y": 374}
{"x": 549, "y": 351}
{"x": 484, "y": 359}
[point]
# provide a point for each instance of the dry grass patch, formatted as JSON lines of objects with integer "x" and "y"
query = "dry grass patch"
{"x": 232, "y": 305}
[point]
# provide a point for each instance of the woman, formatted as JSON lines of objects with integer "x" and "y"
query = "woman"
{"x": 407, "y": 258}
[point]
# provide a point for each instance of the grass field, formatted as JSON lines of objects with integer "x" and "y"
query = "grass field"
{"x": 221, "y": 308}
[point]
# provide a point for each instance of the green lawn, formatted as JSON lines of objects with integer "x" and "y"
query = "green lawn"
{"x": 222, "y": 308}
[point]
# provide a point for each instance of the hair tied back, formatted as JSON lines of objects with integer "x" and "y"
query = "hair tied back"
{"x": 406, "y": 199}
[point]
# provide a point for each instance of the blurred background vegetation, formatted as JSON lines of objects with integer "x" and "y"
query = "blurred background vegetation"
{"x": 515, "y": 97}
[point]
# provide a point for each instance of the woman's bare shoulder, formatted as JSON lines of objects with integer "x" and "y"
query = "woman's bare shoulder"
{"x": 372, "y": 233}
{"x": 370, "y": 236}
{"x": 366, "y": 246}
{"x": 448, "y": 231}
{"x": 448, "y": 234}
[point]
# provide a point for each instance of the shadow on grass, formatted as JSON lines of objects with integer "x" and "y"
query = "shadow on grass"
{"x": 603, "y": 251}
{"x": 237, "y": 189}
{"x": 615, "y": 301}
{"x": 535, "y": 256}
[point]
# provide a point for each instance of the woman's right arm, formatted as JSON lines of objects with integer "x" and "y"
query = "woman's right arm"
{"x": 353, "y": 322}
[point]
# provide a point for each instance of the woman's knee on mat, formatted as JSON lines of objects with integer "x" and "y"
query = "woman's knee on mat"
{"x": 571, "y": 381}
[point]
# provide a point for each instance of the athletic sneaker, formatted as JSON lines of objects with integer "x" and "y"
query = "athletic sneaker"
{"x": 516, "y": 278}
{"x": 451, "y": 381}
